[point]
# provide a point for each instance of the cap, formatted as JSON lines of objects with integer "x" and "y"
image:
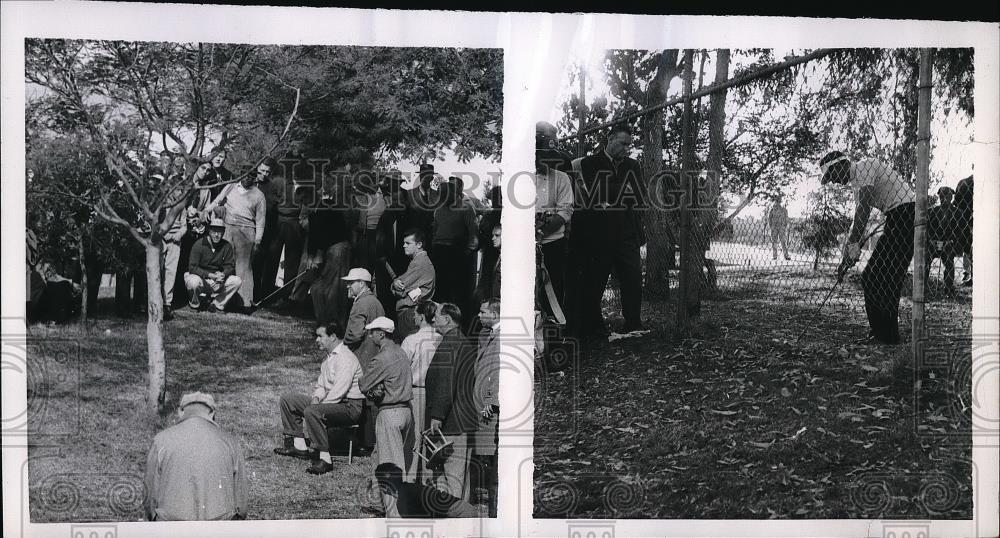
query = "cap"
{"x": 197, "y": 397}
{"x": 358, "y": 273}
{"x": 383, "y": 323}
{"x": 217, "y": 223}
{"x": 545, "y": 135}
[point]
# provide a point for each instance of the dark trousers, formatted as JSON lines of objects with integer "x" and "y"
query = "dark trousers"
{"x": 556, "y": 256}
{"x": 288, "y": 235}
{"x": 882, "y": 278}
{"x": 947, "y": 254}
{"x": 180, "y": 290}
{"x": 451, "y": 265}
{"x": 623, "y": 258}
{"x": 297, "y": 409}
{"x": 130, "y": 291}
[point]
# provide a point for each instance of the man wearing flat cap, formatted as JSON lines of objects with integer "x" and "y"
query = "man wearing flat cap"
{"x": 876, "y": 185}
{"x": 195, "y": 469}
{"x": 365, "y": 309}
{"x": 388, "y": 382}
{"x": 336, "y": 401}
{"x": 212, "y": 269}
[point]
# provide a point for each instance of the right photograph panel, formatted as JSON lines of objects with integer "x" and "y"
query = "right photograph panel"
{"x": 754, "y": 285}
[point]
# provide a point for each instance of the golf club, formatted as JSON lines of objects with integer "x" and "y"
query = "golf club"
{"x": 254, "y": 306}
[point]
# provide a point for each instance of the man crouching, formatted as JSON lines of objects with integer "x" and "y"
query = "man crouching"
{"x": 336, "y": 401}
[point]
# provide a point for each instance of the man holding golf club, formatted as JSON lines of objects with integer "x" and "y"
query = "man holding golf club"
{"x": 876, "y": 184}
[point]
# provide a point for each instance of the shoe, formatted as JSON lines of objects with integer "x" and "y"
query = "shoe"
{"x": 294, "y": 453}
{"x": 215, "y": 310}
{"x": 967, "y": 283}
{"x": 787, "y": 257}
{"x": 319, "y": 467}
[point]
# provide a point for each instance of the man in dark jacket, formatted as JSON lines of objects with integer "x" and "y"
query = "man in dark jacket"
{"x": 609, "y": 222}
{"x": 451, "y": 409}
{"x": 212, "y": 269}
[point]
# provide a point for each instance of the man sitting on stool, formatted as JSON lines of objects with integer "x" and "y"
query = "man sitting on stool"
{"x": 212, "y": 269}
{"x": 336, "y": 401}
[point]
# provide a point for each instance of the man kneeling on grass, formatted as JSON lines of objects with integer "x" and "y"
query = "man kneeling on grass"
{"x": 336, "y": 401}
{"x": 212, "y": 270}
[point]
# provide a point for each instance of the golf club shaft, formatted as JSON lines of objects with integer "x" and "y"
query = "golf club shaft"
{"x": 275, "y": 292}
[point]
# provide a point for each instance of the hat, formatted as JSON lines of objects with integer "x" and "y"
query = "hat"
{"x": 197, "y": 397}
{"x": 383, "y": 323}
{"x": 358, "y": 273}
{"x": 217, "y": 223}
{"x": 827, "y": 162}
{"x": 545, "y": 135}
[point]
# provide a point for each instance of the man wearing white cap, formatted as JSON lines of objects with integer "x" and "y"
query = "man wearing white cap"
{"x": 195, "y": 469}
{"x": 388, "y": 383}
{"x": 877, "y": 185}
{"x": 365, "y": 309}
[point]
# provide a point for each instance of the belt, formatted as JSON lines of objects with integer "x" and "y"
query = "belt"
{"x": 418, "y": 386}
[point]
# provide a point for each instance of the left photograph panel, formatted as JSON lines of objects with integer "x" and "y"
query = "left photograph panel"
{"x": 262, "y": 280}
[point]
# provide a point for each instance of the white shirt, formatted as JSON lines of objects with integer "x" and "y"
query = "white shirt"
{"x": 420, "y": 347}
{"x": 889, "y": 188}
{"x": 554, "y": 192}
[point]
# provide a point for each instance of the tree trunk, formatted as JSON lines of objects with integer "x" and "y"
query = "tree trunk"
{"x": 716, "y": 147}
{"x": 689, "y": 302}
{"x": 84, "y": 281}
{"x": 156, "y": 392}
{"x": 659, "y": 246}
{"x": 816, "y": 261}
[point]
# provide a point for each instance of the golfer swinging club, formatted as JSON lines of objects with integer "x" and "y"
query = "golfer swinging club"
{"x": 876, "y": 184}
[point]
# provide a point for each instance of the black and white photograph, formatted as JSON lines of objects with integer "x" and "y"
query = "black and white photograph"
{"x": 736, "y": 251}
{"x": 254, "y": 285}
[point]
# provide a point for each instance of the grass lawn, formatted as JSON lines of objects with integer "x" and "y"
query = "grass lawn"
{"x": 740, "y": 421}
{"x": 87, "y": 460}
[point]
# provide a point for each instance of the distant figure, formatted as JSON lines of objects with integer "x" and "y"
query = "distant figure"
{"x": 963, "y": 225}
{"x": 487, "y": 397}
{"x": 195, "y": 469}
{"x": 777, "y": 217}
{"x": 941, "y": 237}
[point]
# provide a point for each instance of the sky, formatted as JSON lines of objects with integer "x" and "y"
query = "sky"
{"x": 951, "y": 158}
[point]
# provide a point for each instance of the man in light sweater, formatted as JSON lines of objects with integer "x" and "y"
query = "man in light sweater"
{"x": 245, "y": 212}
{"x": 336, "y": 401}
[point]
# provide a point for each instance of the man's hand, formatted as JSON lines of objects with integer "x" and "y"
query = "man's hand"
{"x": 851, "y": 254}
{"x": 311, "y": 263}
{"x": 314, "y": 400}
{"x": 488, "y": 411}
{"x": 397, "y": 286}
{"x": 435, "y": 425}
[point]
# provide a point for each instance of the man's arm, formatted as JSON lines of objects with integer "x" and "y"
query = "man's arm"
{"x": 355, "y": 326}
{"x": 852, "y": 251}
{"x": 194, "y": 264}
{"x": 471, "y": 229}
{"x": 377, "y": 372}
{"x": 259, "y": 217}
{"x": 322, "y": 385}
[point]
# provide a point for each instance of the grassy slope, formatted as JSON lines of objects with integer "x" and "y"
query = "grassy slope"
{"x": 245, "y": 361}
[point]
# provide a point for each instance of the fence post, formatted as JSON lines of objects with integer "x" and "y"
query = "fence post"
{"x": 686, "y": 280}
{"x": 920, "y": 206}
{"x": 582, "y": 111}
